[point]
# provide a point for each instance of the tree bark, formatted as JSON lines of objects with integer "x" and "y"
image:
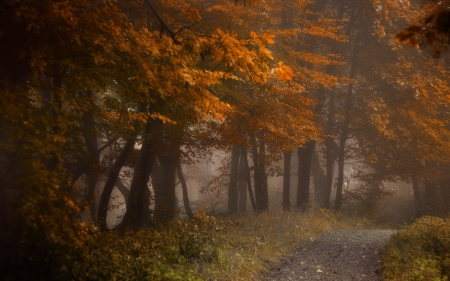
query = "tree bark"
{"x": 257, "y": 177}
{"x": 186, "y": 202}
{"x": 242, "y": 185}
{"x": 232, "y": 185}
{"x": 304, "y": 174}
{"x": 343, "y": 138}
{"x": 319, "y": 177}
{"x": 287, "y": 181}
{"x": 135, "y": 203}
{"x": 417, "y": 196}
{"x": 111, "y": 181}
{"x": 263, "y": 175}
{"x": 248, "y": 179}
{"x": 166, "y": 202}
{"x": 93, "y": 159}
{"x": 330, "y": 153}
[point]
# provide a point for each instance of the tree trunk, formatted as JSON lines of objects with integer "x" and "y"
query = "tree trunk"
{"x": 186, "y": 202}
{"x": 343, "y": 138}
{"x": 320, "y": 179}
{"x": 248, "y": 179}
{"x": 330, "y": 153}
{"x": 417, "y": 196}
{"x": 111, "y": 181}
{"x": 93, "y": 162}
{"x": 142, "y": 169}
{"x": 304, "y": 174}
{"x": 234, "y": 176}
{"x": 242, "y": 185}
{"x": 287, "y": 181}
{"x": 257, "y": 177}
{"x": 263, "y": 175}
{"x": 166, "y": 202}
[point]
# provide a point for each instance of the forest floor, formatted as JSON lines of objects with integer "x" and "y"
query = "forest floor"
{"x": 342, "y": 254}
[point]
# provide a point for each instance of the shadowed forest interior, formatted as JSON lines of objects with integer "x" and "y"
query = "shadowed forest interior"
{"x": 184, "y": 123}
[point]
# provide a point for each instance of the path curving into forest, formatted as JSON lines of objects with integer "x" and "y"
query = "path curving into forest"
{"x": 343, "y": 254}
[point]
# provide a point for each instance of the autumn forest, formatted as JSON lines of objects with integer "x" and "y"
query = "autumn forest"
{"x": 110, "y": 112}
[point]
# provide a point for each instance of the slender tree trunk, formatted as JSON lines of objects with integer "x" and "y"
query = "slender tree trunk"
{"x": 234, "y": 176}
{"x": 242, "y": 185}
{"x": 263, "y": 175}
{"x": 330, "y": 157}
{"x": 248, "y": 179}
{"x": 304, "y": 174}
{"x": 417, "y": 196}
{"x": 344, "y": 137}
{"x": 111, "y": 181}
{"x": 93, "y": 161}
{"x": 287, "y": 181}
{"x": 329, "y": 141}
{"x": 257, "y": 179}
{"x": 320, "y": 179}
{"x": 186, "y": 202}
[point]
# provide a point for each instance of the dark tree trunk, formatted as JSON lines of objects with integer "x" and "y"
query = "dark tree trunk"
{"x": 304, "y": 174}
{"x": 166, "y": 202}
{"x": 287, "y": 181}
{"x": 417, "y": 196}
{"x": 320, "y": 179}
{"x": 257, "y": 177}
{"x": 111, "y": 181}
{"x": 234, "y": 176}
{"x": 344, "y": 137}
{"x": 242, "y": 185}
{"x": 186, "y": 202}
{"x": 330, "y": 153}
{"x": 330, "y": 145}
{"x": 248, "y": 179}
{"x": 93, "y": 160}
{"x": 263, "y": 175}
{"x": 135, "y": 204}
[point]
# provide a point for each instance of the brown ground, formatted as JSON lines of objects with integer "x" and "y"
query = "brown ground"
{"x": 339, "y": 255}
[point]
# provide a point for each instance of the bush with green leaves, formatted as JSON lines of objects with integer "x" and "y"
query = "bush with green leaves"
{"x": 419, "y": 252}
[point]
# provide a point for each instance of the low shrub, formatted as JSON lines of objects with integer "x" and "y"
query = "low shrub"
{"x": 419, "y": 252}
{"x": 205, "y": 248}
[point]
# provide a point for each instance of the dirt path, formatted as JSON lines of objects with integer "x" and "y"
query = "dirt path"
{"x": 339, "y": 255}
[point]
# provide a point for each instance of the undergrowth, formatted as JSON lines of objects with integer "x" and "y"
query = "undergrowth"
{"x": 205, "y": 248}
{"x": 420, "y": 252}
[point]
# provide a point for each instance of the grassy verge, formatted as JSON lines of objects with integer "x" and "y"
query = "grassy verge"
{"x": 419, "y": 252}
{"x": 205, "y": 248}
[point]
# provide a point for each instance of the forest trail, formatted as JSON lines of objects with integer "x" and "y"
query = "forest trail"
{"x": 343, "y": 254}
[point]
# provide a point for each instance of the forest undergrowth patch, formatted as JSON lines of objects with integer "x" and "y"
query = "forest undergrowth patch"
{"x": 205, "y": 248}
{"x": 419, "y": 252}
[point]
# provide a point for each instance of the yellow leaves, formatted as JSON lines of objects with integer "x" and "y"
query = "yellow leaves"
{"x": 265, "y": 52}
{"x": 269, "y": 38}
{"x": 284, "y": 72}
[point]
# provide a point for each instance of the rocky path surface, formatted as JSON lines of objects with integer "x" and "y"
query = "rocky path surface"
{"x": 342, "y": 254}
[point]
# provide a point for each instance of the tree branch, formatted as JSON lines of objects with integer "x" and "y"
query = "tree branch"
{"x": 164, "y": 26}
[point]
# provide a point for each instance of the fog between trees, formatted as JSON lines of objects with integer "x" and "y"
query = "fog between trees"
{"x": 108, "y": 108}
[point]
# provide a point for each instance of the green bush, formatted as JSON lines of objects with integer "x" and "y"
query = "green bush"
{"x": 419, "y": 252}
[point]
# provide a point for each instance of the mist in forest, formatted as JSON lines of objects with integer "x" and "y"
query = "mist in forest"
{"x": 124, "y": 116}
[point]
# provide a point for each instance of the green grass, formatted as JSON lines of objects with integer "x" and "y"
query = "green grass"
{"x": 420, "y": 252}
{"x": 205, "y": 248}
